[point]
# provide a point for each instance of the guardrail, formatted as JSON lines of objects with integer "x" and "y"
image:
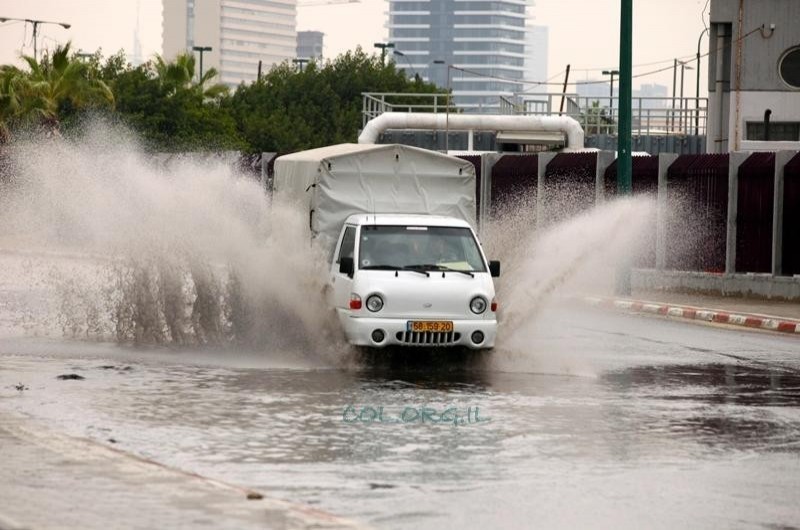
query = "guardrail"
{"x": 597, "y": 115}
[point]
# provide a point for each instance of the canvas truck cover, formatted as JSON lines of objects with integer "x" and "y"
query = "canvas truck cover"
{"x": 334, "y": 182}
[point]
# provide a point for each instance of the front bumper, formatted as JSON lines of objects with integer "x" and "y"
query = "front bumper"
{"x": 359, "y": 330}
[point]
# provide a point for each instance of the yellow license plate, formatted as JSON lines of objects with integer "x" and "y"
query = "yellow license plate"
{"x": 442, "y": 326}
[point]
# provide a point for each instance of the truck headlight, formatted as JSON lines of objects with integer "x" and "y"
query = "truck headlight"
{"x": 478, "y": 305}
{"x": 374, "y": 303}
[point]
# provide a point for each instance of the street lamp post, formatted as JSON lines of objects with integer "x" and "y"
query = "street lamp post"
{"x": 383, "y": 46}
{"x": 612, "y": 73}
{"x": 404, "y": 56}
{"x": 624, "y": 161}
{"x": 680, "y": 119}
{"x": 447, "y": 110}
{"x": 201, "y": 50}
{"x": 300, "y": 62}
{"x": 697, "y": 90}
{"x": 35, "y": 24}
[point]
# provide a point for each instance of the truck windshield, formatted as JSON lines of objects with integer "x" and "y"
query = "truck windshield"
{"x": 422, "y": 247}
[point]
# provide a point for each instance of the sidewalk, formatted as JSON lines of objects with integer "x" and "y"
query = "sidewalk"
{"x": 752, "y": 313}
{"x": 50, "y": 480}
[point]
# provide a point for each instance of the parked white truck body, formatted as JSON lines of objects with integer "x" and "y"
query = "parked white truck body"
{"x": 406, "y": 265}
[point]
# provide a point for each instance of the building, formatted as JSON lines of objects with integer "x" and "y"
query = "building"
{"x": 647, "y": 96}
{"x": 240, "y": 32}
{"x": 754, "y": 75}
{"x": 309, "y": 44}
{"x": 487, "y": 39}
{"x": 536, "y": 43}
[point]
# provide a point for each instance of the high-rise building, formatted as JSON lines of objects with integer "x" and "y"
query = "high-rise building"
{"x": 240, "y": 32}
{"x": 486, "y": 38}
{"x": 536, "y": 58}
{"x": 309, "y": 44}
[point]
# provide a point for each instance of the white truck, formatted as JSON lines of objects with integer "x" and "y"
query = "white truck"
{"x": 406, "y": 267}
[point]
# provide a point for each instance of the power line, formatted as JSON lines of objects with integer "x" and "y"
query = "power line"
{"x": 690, "y": 58}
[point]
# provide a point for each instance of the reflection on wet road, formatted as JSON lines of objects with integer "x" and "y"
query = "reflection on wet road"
{"x": 614, "y": 421}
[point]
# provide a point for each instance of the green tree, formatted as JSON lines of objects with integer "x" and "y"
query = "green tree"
{"x": 595, "y": 120}
{"x": 289, "y": 110}
{"x": 173, "y": 112}
{"x": 57, "y": 86}
{"x": 179, "y": 75}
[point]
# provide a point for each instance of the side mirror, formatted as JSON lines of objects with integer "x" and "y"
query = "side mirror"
{"x": 494, "y": 268}
{"x": 346, "y": 266}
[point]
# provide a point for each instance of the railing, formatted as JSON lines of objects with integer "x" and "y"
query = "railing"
{"x": 374, "y": 104}
{"x": 597, "y": 115}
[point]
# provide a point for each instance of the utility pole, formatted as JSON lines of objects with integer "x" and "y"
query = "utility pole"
{"x": 35, "y": 24}
{"x": 564, "y": 92}
{"x": 674, "y": 89}
{"x": 612, "y": 73}
{"x": 447, "y": 110}
{"x": 680, "y": 119}
{"x": 624, "y": 162}
{"x": 201, "y": 50}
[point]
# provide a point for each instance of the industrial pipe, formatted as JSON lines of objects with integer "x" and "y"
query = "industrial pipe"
{"x": 477, "y": 122}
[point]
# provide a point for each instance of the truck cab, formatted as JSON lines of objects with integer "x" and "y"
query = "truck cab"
{"x": 413, "y": 280}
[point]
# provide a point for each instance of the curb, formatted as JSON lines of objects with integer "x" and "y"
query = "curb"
{"x": 718, "y": 316}
{"x": 233, "y": 499}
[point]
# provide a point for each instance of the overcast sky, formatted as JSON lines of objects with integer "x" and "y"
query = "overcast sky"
{"x": 583, "y": 33}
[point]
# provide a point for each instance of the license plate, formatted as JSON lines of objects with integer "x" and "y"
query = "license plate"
{"x": 442, "y": 326}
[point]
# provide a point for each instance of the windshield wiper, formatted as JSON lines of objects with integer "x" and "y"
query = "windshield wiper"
{"x": 415, "y": 268}
{"x": 448, "y": 269}
{"x": 443, "y": 268}
{"x": 393, "y": 268}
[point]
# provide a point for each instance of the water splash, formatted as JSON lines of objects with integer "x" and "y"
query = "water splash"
{"x": 184, "y": 254}
{"x": 191, "y": 253}
{"x": 577, "y": 256}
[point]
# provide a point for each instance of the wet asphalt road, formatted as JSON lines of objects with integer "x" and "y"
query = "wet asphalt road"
{"x": 586, "y": 419}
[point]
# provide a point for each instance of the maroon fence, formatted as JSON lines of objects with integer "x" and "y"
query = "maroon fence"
{"x": 791, "y": 217}
{"x": 569, "y": 183}
{"x": 697, "y": 210}
{"x": 644, "y": 181}
{"x": 644, "y": 176}
{"x": 755, "y": 198}
{"x": 514, "y": 183}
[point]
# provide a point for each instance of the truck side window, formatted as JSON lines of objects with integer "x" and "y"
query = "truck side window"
{"x": 348, "y": 244}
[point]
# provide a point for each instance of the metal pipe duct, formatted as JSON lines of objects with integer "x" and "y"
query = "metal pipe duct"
{"x": 478, "y": 122}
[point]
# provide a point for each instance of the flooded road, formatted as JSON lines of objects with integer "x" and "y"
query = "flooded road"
{"x": 602, "y": 420}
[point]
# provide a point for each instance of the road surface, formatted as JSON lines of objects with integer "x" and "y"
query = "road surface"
{"x": 587, "y": 419}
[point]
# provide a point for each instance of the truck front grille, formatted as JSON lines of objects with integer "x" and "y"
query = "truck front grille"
{"x": 428, "y": 338}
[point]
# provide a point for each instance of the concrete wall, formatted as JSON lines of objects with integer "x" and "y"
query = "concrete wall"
{"x": 743, "y": 95}
{"x": 747, "y": 285}
{"x": 761, "y": 50}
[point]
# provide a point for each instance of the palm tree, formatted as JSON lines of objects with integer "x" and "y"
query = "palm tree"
{"x": 40, "y": 94}
{"x": 180, "y": 75}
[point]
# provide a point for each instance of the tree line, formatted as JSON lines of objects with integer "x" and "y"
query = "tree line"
{"x": 173, "y": 109}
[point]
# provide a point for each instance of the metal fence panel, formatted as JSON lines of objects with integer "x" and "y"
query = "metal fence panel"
{"x": 791, "y": 217}
{"x": 754, "y": 213}
{"x": 514, "y": 181}
{"x": 697, "y": 195}
{"x": 644, "y": 178}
